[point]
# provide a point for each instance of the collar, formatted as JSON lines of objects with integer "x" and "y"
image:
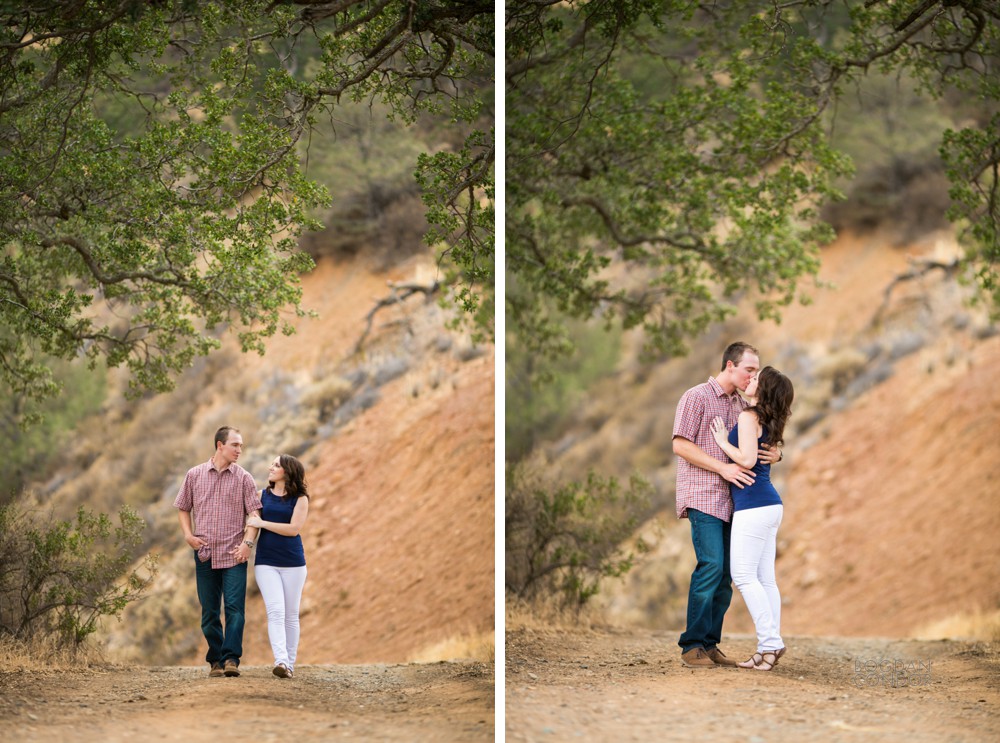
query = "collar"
{"x": 211, "y": 465}
{"x": 717, "y": 389}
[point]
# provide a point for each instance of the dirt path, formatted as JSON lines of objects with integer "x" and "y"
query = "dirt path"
{"x": 602, "y": 685}
{"x": 414, "y": 702}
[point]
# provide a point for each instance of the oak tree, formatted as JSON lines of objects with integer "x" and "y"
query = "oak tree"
{"x": 664, "y": 155}
{"x": 151, "y": 186}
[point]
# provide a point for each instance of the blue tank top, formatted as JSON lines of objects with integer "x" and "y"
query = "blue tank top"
{"x": 273, "y": 549}
{"x": 762, "y": 492}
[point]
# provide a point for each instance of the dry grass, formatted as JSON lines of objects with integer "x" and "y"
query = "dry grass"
{"x": 548, "y": 612}
{"x": 477, "y": 646}
{"x": 977, "y": 626}
{"x": 45, "y": 655}
{"x": 327, "y": 394}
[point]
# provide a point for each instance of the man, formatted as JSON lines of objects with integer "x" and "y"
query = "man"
{"x": 703, "y": 476}
{"x": 219, "y": 495}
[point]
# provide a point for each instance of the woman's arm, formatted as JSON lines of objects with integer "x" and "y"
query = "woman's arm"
{"x": 730, "y": 472}
{"x": 286, "y": 530}
{"x": 251, "y": 531}
{"x": 746, "y": 454}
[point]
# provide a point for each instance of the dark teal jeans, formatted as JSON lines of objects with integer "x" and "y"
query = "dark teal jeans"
{"x": 219, "y": 587}
{"x": 711, "y": 590}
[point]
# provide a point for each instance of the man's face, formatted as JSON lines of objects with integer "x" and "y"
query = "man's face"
{"x": 746, "y": 370}
{"x": 231, "y": 450}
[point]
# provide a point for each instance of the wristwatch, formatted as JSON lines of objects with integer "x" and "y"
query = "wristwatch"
{"x": 248, "y": 543}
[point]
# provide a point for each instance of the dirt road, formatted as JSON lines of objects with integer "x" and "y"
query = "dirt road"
{"x": 603, "y": 685}
{"x": 413, "y": 702}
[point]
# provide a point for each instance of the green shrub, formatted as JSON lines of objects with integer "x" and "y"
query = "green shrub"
{"x": 562, "y": 541}
{"x": 58, "y": 578}
{"x": 544, "y": 394}
{"x": 35, "y": 435}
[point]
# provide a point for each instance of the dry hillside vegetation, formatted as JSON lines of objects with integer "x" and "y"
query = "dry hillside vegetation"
{"x": 889, "y": 533}
{"x": 398, "y": 441}
{"x": 891, "y": 511}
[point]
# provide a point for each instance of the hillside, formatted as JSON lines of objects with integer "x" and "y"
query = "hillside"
{"x": 890, "y": 510}
{"x": 397, "y": 438}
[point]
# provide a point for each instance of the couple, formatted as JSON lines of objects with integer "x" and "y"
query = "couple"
{"x": 726, "y": 445}
{"x": 221, "y": 499}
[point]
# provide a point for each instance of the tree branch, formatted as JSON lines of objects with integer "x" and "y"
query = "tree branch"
{"x": 630, "y": 241}
{"x": 106, "y": 279}
{"x": 400, "y": 292}
{"x": 513, "y": 70}
{"x": 918, "y": 270}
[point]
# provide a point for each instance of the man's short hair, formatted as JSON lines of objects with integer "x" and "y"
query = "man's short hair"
{"x": 734, "y": 352}
{"x": 222, "y": 435}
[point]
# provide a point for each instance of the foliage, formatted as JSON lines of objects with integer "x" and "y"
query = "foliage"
{"x": 543, "y": 392}
{"x": 59, "y": 578}
{"x": 151, "y": 191}
{"x": 459, "y": 200}
{"x": 892, "y": 132}
{"x": 708, "y": 182}
{"x": 375, "y": 208}
{"x": 563, "y": 540}
{"x": 31, "y": 453}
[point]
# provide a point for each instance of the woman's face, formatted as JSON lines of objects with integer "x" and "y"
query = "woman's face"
{"x": 275, "y": 472}
{"x": 751, "y": 389}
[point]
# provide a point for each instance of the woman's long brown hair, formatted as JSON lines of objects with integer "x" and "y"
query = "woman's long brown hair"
{"x": 774, "y": 403}
{"x": 295, "y": 477}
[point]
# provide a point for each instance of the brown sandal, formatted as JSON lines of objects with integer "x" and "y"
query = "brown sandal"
{"x": 759, "y": 661}
{"x": 752, "y": 661}
{"x": 765, "y": 662}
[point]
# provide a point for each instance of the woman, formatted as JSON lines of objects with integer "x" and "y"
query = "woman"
{"x": 280, "y": 564}
{"x": 757, "y": 509}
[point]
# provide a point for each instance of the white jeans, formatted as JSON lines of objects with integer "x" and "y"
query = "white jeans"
{"x": 751, "y": 562}
{"x": 282, "y": 592}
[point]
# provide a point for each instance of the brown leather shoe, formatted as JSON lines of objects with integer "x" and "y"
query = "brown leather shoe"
{"x": 697, "y": 658}
{"x": 216, "y": 671}
{"x": 720, "y": 658}
{"x": 231, "y": 668}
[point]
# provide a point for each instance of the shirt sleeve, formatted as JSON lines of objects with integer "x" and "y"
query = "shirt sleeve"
{"x": 251, "y": 498}
{"x": 690, "y": 411}
{"x": 185, "y": 496}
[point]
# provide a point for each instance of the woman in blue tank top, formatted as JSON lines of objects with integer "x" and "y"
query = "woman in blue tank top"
{"x": 757, "y": 510}
{"x": 280, "y": 562}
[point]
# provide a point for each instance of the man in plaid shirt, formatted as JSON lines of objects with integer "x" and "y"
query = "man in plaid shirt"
{"x": 704, "y": 473}
{"x": 220, "y": 495}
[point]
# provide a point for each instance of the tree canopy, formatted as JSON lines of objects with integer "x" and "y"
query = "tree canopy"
{"x": 151, "y": 186}
{"x": 664, "y": 155}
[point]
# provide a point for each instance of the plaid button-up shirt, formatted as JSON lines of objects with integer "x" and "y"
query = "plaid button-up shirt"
{"x": 219, "y": 502}
{"x": 697, "y": 488}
